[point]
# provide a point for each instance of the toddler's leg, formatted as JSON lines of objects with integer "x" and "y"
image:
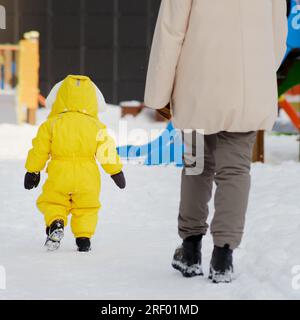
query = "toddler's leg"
{"x": 54, "y": 206}
{"x": 84, "y": 222}
{"x": 85, "y": 207}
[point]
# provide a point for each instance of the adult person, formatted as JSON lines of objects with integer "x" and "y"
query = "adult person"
{"x": 213, "y": 67}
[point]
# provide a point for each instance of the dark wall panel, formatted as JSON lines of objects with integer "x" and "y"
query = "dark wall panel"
{"x": 99, "y": 31}
{"x": 130, "y": 7}
{"x": 97, "y": 7}
{"x": 9, "y": 6}
{"x": 132, "y": 31}
{"x": 66, "y": 32}
{"x": 66, "y": 7}
{"x": 7, "y": 36}
{"x": 155, "y": 4}
{"x": 33, "y": 7}
{"x": 108, "y": 40}
{"x": 106, "y": 88}
{"x": 132, "y": 65}
{"x": 131, "y": 90}
{"x": 99, "y": 63}
{"x": 43, "y": 65}
{"x": 66, "y": 62}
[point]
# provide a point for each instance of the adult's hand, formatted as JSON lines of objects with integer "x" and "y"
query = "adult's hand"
{"x": 165, "y": 112}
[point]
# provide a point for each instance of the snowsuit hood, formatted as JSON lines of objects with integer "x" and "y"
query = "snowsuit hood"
{"x": 76, "y": 94}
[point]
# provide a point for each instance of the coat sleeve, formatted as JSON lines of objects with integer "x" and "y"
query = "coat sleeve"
{"x": 167, "y": 43}
{"x": 41, "y": 147}
{"x": 107, "y": 154}
{"x": 280, "y": 27}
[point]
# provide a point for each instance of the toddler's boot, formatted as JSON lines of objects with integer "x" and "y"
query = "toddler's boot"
{"x": 55, "y": 234}
{"x": 83, "y": 244}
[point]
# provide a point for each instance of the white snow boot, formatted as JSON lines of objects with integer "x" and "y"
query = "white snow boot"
{"x": 55, "y": 234}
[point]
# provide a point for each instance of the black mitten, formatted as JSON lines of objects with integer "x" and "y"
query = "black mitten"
{"x": 119, "y": 180}
{"x": 31, "y": 180}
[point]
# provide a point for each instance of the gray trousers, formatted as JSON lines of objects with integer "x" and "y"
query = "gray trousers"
{"x": 227, "y": 162}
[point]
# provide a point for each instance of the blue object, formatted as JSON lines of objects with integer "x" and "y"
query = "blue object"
{"x": 166, "y": 149}
{"x": 293, "y": 40}
{"x": 2, "y": 77}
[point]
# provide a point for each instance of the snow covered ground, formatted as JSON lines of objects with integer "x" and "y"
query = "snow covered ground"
{"x": 137, "y": 234}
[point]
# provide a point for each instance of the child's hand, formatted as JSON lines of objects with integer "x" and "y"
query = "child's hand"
{"x": 31, "y": 180}
{"x": 119, "y": 180}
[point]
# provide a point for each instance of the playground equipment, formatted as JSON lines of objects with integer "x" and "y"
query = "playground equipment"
{"x": 166, "y": 149}
{"x": 19, "y": 80}
{"x": 29, "y": 63}
{"x": 8, "y": 57}
{"x": 289, "y": 77}
{"x": 289, "y": 72}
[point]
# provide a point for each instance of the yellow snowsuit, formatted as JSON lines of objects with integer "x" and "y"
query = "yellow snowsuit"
{"x": 74, "y": 138}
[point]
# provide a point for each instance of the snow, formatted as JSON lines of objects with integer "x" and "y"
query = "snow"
{"x": 284, "y": 124}
{"x": 137, "y": 234}
{"x": 131, "y": 104}
{"x": 281, "y": 148}
{"x": 132, "y": 130}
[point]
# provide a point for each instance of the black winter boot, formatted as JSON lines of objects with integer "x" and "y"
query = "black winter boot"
{"x": 187, "y": 257}
{"x": 221, "y": 267}
{"x": 55, "y": 234}
{"x": 83, "y": 244}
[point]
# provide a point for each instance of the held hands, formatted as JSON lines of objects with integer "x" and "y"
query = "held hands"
{"x": 119, "y": 180}
{"x": 31, "y": 180}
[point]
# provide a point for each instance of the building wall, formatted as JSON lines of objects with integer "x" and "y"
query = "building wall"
{"x": 108, "y": 40}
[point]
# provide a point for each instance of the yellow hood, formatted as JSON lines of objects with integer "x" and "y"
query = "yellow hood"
{"x": 76, "y": 94}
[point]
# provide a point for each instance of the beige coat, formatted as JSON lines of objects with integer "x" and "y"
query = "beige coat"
{"x": 216, "y": 62}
